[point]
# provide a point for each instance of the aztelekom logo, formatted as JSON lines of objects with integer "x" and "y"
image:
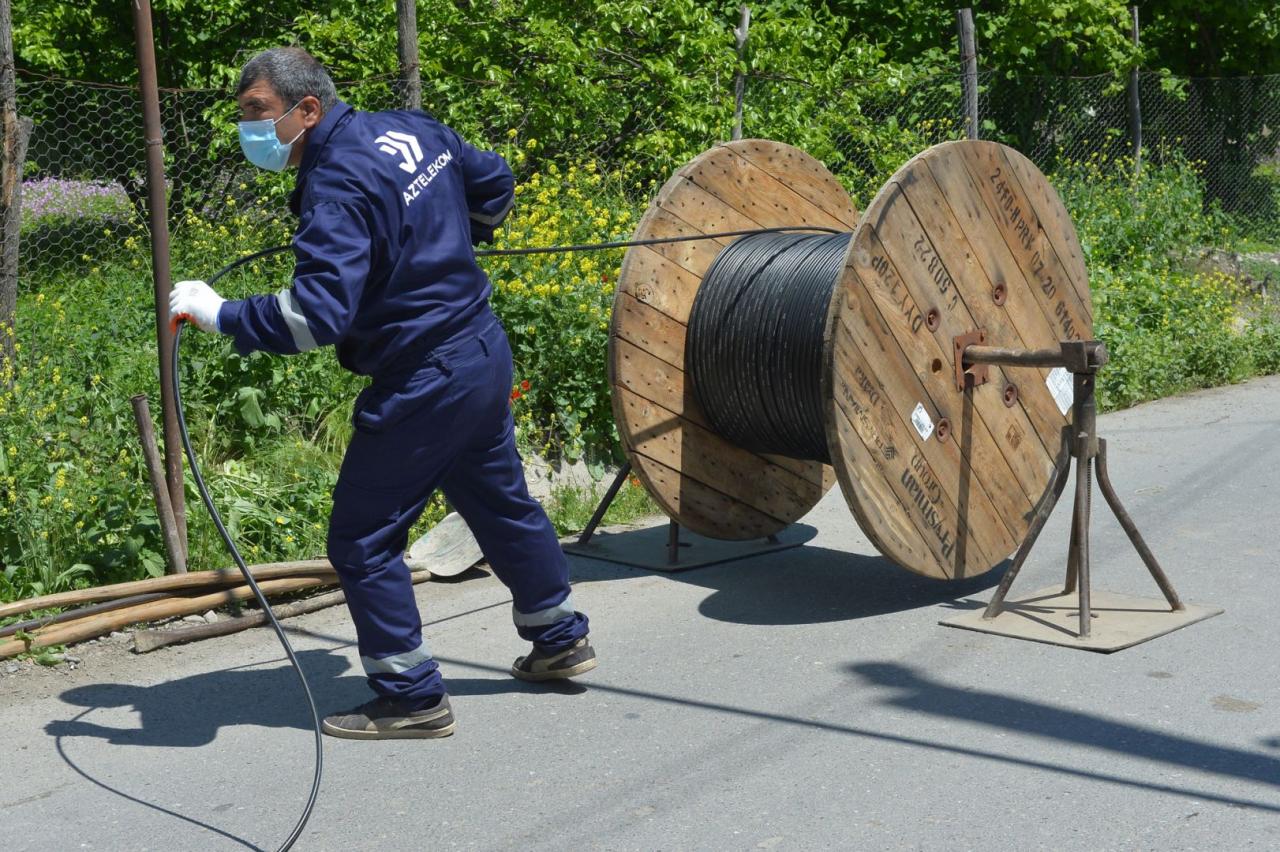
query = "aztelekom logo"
{"x": 404, "y": 145}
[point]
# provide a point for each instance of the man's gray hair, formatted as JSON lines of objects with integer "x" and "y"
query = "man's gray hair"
{"x": 293, "y": 73}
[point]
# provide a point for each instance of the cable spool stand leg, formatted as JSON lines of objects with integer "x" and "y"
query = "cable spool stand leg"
{"x": 605, "y": 503}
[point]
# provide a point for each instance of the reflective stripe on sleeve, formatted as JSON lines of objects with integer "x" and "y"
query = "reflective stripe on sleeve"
{"x": 495, "y": 219}
{"x": 296, "y": 322}
{"x": 542, "y": 617}
{"x": 397, "y": 663}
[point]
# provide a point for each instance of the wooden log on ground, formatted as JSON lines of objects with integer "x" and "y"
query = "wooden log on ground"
{"x": 102, "y": 624}
{"x": 178, "y": 582}
{"x": 145, "y": 641}
{"x": 72, "y": 614}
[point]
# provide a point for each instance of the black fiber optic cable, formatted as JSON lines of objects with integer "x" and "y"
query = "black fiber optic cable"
{"x": 239, "y": 560}
{"x": 226, "y": 536}
{"x": 754, "y": 348}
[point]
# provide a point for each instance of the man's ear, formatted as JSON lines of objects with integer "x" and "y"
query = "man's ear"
{"x": 311, "y": 111}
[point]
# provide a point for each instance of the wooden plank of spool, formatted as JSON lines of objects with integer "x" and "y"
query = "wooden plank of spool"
{"x": 654, "y": 379}
{"x": 1060, "y": 231}
{"x": 912, "y": 249}
{"x": 880, "y": 317}
{"x": 697, "y": 451}
{"x": 957, "y": 218}
{"x": 745, "y": 184}
{"x": 1029, "y": 239}
{"x": 907, "y": 473}
{"x": 1011, "y": 308}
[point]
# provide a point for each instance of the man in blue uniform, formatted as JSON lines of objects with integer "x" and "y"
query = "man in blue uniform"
{"x": 389, "y": 206}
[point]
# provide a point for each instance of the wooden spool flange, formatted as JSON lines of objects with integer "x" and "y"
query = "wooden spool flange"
{"x": 967, "y": 241}
{"x": 967, "y": 238}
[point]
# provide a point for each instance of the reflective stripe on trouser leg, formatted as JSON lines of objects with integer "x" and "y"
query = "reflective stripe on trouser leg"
{"x": 396, "y": 663}
{"x": 543, "y": 617}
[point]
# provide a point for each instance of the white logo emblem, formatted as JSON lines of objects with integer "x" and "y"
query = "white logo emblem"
{"x": 395, "y": 143}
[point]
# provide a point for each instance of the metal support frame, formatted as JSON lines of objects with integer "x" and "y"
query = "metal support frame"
{"x": 1080, "y": 441}
{"x": 673, "y": 531}
{"x": 673, "y": 528}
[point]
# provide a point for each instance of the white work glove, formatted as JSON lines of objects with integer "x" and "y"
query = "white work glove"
{"x": 197, "y": 301}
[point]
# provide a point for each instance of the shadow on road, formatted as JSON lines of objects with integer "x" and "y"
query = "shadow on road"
{"x": 802, "y": 585}
{"x": 1032, "y": 720}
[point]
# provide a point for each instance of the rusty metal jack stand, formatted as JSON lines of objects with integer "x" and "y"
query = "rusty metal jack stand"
{"x": 1128, "y": 620}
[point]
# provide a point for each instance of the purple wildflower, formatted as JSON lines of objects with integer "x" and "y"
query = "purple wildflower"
{"x": 56, "y": 198}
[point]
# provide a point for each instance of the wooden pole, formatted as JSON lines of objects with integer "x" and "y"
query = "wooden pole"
{"x": 1135, "y": 105}
{"x": 74, "y": 614}
{"x": 99, "y": 625}
{"x": 969, "y": 65}
{"x": 13, "y": 151}
{"x": 158, "y": 203}
{"x": 145, "y": 641}
{"x": 177, "y": 557}
{"x": 407, "y": 35}
{"x": 191, "y": 580}
{"x": 740, "y": 77}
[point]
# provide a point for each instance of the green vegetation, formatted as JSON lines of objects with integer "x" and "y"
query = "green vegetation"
{"x": 1169, "y": 325}
{"x": 74, "y": 504}
{"x": 592, "y": 115}
{"x": 75, "y": 507}
{"x": 570, "y": 507}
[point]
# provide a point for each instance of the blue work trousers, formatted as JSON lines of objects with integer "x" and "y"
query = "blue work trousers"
{"x": 444, "y": 423}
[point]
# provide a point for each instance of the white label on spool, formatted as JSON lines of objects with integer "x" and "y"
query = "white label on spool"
{"x": 920, "y": 420}
{"x": 1061, "y": 385}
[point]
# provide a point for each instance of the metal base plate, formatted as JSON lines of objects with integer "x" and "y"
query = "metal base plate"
{"x": 647, "y": 548}
{"x": 1119, "y": 621}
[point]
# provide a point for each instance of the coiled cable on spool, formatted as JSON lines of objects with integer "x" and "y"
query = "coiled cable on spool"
{"x": 754, "y": 348}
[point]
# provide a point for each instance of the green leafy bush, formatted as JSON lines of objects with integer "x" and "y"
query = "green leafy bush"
{"x": 556, "y": 306}
{"x": 75, "y": 504}
{"x": 1146, "y": 222}
{"x": 1169, "y": 328}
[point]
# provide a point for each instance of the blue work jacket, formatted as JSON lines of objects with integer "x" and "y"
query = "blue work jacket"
{"x": 389, "y": 206}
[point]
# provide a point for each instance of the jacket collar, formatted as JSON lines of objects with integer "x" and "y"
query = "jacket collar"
{"x": 316, "y": 141}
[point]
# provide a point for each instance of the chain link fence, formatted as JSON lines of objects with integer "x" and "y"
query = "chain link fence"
{"x": 863, "y": 131}
{"x": 84, "y": 193}
{"x": 1228, "y": 129}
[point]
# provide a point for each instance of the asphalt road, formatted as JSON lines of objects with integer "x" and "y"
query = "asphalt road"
{"x": 802, "y": 700}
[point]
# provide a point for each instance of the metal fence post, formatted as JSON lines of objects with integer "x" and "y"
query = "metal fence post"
{"x": 969, "y": 65}
{"x": 740, "y": 78}
{"x": 1135, "y": 105}
{"x": 157, "y": 202}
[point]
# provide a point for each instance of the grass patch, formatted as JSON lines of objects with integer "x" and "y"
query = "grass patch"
{"x": 570, "y": 507}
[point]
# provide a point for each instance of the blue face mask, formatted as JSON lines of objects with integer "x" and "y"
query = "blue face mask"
{"x": 262, "y": 146}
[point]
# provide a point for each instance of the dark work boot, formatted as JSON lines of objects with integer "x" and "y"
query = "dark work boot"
{"x": 578, "y": 659}
{"x": 391, "y": 719}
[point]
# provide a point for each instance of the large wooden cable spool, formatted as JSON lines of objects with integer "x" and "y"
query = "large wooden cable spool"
{"x": 968, "y": 238}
